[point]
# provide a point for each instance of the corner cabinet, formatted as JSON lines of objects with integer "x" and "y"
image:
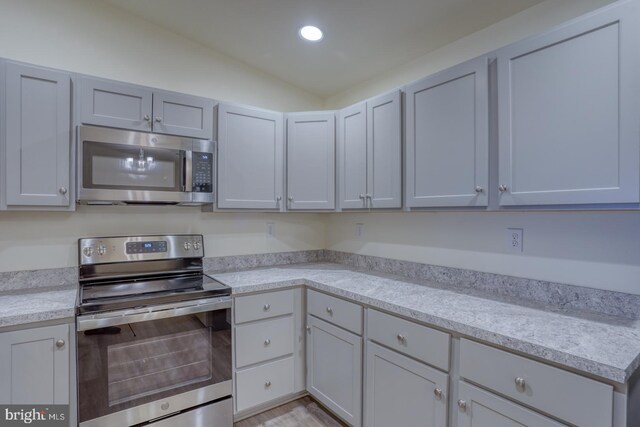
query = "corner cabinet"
{"x": 568, "y": 113}
{"x": 311, "y": 143}
{"x": 36, "y": 139}
{"x": 122, "y": 105}
{"x": 35, "y": 366}
{"x": 370, "y": 154}
{"x": 250, "y": 158}
{"x": 447, "y": 138}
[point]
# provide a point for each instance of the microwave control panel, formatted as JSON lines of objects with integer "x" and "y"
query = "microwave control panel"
{"x": 202, "y": 164}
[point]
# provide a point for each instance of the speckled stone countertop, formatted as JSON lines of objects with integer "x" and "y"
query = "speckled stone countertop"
{"x": 30, "y": 296}
{"x": 18, "y": 307}
{"x": 605, "y": 346}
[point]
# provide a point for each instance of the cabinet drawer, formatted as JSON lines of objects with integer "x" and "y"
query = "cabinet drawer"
{"x": 423, "y": 343}
{"x": 342, "y": 313}
{"x": 263, "y": 383}
{"x": 263, "y": 306}
{"x": 565, "y": 395}
{"x": 261, "y": 341}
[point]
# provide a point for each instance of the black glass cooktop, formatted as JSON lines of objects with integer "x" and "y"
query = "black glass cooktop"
{"x": 107, "y": 296}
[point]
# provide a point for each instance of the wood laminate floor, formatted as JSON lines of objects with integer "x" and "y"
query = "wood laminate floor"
{"x": 304, "y": 412}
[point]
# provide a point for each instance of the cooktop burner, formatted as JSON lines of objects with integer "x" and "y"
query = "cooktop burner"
{"x": 130, "y": 272}
{"x": 135, "y": 293}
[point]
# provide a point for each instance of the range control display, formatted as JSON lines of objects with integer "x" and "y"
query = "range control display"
{"x": 146, "y": 247}
{"x": 202, "y": 172}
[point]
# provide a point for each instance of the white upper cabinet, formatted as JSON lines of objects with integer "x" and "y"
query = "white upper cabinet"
{"x": 569, "y": 111}
{"x": 184, "y": 115}
{"x": 250, "y": 158}
{"x": 115, "y": 104}
{"x": 37, "y": 138}
{"x": 370, "y": 154}
{"x": 447, "y": 138}
{"x": 127, "y": 106}
{"x": 352, "y": 157}
{"x": 311, "y": 161}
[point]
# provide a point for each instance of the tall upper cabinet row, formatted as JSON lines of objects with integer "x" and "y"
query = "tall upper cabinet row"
{"x": 551, "y": 121}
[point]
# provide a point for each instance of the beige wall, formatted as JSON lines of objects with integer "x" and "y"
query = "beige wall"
{"x": 35, "y": 240}
{"x": 596, "y": 249}
{"x": 92, "y": 37}
{"x": 526, "y": 23}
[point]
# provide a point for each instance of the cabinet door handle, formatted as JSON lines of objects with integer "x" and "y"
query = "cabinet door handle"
{"x": 60, "y": 343}
{"x": 158, "y": 119}
{"x": 462, "y": 404}
{"x": 267, "y": 342}
{"x": 267, "y": 384}
{"x": 438, "y": 393}
{"x": 266, "y": 307}
{"x": 402, "y": 338}
{"x": 147, "y": 118}
{"x": 330, "y": 311}
{"x": 520, "y": 383}
{"x": 479, "y": 189}
{"x": 63, "y": 190}
{"x": 502, "y": 188}
{"x": 309, "y": 329}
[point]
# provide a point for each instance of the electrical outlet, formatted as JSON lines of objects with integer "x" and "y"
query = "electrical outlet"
{"x": 270, "y": 230}
{"x": 359, "y": 231}
{"x": 514, "y": 240}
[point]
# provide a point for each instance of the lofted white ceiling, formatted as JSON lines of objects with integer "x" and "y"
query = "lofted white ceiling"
{"x": 362, "y": 38}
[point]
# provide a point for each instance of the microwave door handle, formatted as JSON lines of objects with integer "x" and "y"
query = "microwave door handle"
{"x": 187, "y": 171}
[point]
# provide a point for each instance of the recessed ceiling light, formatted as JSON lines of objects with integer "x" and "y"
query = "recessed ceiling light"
{"x": 311, "y": 33}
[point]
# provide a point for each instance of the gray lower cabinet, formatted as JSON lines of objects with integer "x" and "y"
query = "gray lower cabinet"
{"x": 334, "y": 369}
{"x": 36, "y": 139}
{"x": 35, "y": 366}
{"x": 250, "y": 158}
{"x": 479, "y": 408}
{"x": 403, "y": 392}
{"x": 568, "y": 113}
{"x": 447, "y": 138}
{"x": 370, "y": 154}
{"x": 311, "y": 143}
{"x": 127, "y": 106}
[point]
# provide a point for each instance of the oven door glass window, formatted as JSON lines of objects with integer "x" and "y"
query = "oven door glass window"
{"x": 132, "y": 167}
{"x": 120, "y": 367}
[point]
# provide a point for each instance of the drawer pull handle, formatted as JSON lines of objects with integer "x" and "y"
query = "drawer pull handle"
{"x": 438, "y": 393}
{"x": 520, "y": 383}
{"x": 164, "y": 406}
{"x": 60, "y": 343}
{"x": 402, "y": 339}
{"x": 267, "y": 384}
{"x": 462, "y": 404}
{"x": 267, "y": 342}
{"x": 330, "y": 311}
{"x": 266, "y": 307}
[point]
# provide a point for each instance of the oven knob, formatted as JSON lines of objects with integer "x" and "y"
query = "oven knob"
{"x": 102, "y": 250}
{"x": 196, "y": 245}
{"x": 87, "y": 251}
{"x": 187, "y": 246}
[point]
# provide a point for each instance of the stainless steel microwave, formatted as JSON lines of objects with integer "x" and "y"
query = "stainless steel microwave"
{"x": 125, "y": 167}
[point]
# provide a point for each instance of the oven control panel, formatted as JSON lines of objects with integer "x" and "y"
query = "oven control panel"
{"x": 103, "y": 250}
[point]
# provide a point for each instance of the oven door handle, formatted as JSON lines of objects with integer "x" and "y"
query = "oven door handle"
{"x": 122, "y": 317}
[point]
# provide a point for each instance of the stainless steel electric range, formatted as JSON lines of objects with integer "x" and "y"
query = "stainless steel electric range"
{"x": 153, "y": 334}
